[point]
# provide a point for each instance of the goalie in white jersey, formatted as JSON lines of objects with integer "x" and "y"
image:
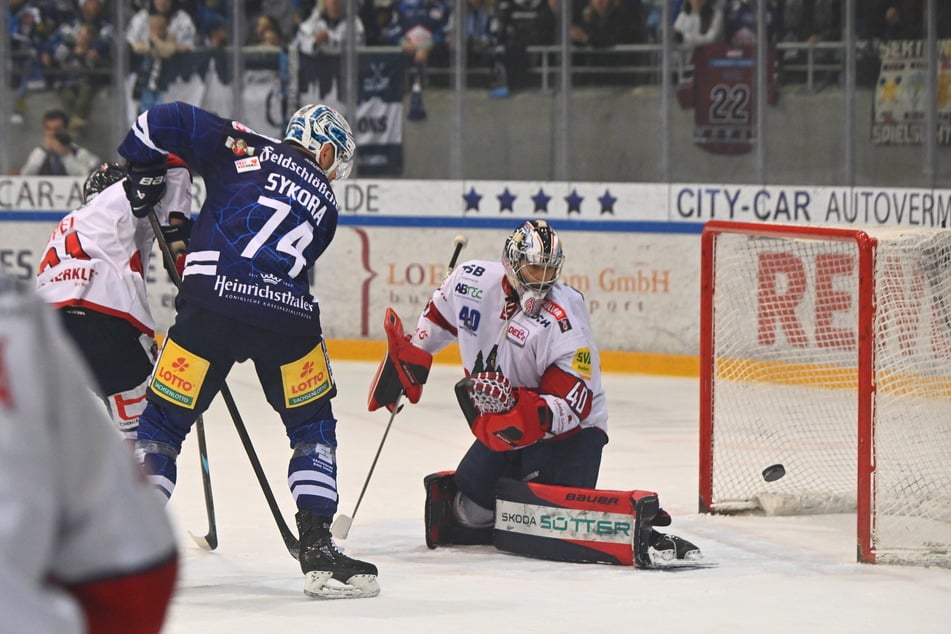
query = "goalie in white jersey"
{"x": 533, "y": 398}
{"x": 526, "y": 343}
{"x": 85, "y": 545}
{"x": 93, "y": 271}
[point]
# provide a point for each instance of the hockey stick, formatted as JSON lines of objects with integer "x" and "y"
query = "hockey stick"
{"x": 290, "y": 540}
{"x": 341, "y": 525}
{"x": 209, "y": 541}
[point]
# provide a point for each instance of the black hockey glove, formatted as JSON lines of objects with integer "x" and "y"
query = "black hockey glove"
{"x": 179, "y": 232}
{"x": 145, "y": 187}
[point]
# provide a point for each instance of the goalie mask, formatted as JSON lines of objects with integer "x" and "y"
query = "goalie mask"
{"x": 314, "y": 125}
{"x": 532, "y": 258}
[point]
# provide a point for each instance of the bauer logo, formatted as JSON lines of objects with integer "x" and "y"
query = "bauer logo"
{"x": 179, "y": 375}
{"x": 590, "y": 498}
{"x": 306, "y": 379}
{"x": 562, "y": 523}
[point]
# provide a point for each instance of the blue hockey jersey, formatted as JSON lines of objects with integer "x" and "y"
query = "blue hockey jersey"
{"x": 268, "y": 214}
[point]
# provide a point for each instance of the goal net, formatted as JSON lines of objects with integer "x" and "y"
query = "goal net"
{"x": 828, "y": 350}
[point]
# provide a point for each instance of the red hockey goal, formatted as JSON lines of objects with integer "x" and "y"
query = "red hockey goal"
{"x": 828, "y": 350}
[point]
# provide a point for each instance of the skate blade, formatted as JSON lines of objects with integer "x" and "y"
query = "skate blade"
{"x": 667, "y": 560}
{"x": 320, "y": 584}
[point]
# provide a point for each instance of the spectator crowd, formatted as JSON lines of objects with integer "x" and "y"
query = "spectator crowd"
{"x": 69, "y": 46}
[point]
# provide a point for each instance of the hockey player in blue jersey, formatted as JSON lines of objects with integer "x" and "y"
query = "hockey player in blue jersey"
{"x": 268, "y": 215}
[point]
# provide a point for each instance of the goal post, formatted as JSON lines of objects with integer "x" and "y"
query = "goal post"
{"x": 828, "y": 350}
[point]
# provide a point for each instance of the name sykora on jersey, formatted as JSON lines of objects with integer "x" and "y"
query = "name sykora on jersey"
{"x": 270, "y": 214}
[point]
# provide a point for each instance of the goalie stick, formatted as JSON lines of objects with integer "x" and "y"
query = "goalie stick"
{"x": 341, "y": 525}
{"x": 210, "y": 540}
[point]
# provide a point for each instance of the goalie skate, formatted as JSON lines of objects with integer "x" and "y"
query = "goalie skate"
{"x": 669, "y": 552}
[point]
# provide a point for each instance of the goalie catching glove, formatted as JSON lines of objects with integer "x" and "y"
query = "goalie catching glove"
{"x": 500, "y": 416}
{"x": 404, "y": 369}
{"x": 145, "y": 187}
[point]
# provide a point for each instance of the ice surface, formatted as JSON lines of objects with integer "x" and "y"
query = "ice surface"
{"x": 776, "y": 574}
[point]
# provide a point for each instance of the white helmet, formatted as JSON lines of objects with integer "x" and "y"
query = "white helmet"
{"x": 313, "y": 125}
{"x": 534, "y": 244}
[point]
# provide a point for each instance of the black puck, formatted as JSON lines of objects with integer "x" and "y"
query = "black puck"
{"x": 774, "y": 472}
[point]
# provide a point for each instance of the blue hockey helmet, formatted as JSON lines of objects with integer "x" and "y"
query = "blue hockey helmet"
{"x": 314, "y": 125}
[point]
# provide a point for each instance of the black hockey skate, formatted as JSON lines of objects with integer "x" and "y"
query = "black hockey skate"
{"x": 671, "y": 551}
{"x": 328, "y": 573}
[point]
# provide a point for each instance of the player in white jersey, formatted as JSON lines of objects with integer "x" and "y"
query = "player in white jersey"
{"x": 526, "y": 336}
{"x": 85, "y": 545}
{"x": 93, "y": 271}
{"x": 532, "y": 394}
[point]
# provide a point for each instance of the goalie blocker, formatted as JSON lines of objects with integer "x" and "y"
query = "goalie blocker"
{"x": 553, "y": 522}
{"x": 404, "y": 369}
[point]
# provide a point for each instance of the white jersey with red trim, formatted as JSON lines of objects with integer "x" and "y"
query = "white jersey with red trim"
{"x": 494, "y": 334}
{"x": 98, "y": 255}
{"x": 80, "y": 526}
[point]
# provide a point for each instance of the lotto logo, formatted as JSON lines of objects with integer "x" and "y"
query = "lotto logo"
{"x": 306, "y": 379}
{"x": 179, "y": 375}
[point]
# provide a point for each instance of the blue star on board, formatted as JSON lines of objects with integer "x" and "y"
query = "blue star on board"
{"x": 574, "y": 202}
{"x": 472, "y": 199}
{"x": 506, "y": 200}
{"x": 607, "y": 202}
{"x": 541, "y": 201}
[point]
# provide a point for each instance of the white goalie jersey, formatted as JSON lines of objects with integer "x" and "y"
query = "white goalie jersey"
{"x": 495, "y": 335}
{"x": 98, "y": 255}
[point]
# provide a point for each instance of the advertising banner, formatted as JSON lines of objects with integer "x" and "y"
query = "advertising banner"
{"x": 633, "y": 250}
{"x": 900, "y": 106}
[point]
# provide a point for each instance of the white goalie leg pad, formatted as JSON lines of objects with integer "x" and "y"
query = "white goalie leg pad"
{"x": 320, "y": 584}
{"x": 574, "y": 524}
